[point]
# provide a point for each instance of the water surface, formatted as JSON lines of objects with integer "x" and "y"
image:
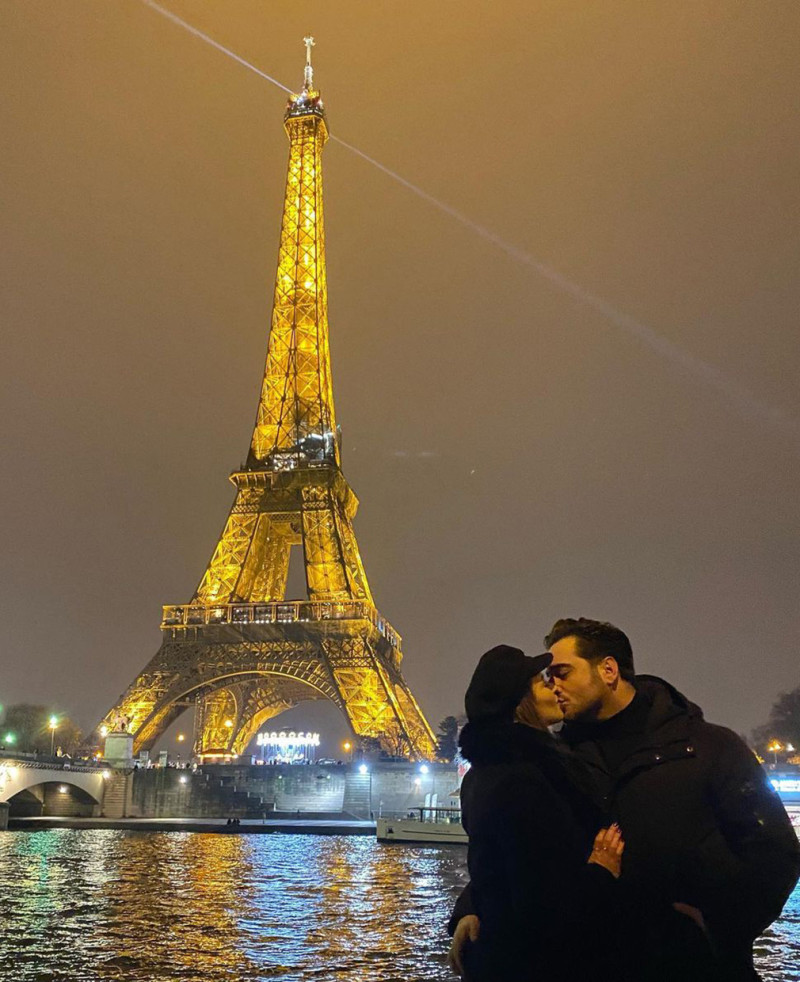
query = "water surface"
{"x": 97, "y": 905}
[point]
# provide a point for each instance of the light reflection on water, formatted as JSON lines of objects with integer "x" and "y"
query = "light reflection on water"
{"x": 97, "y": 905}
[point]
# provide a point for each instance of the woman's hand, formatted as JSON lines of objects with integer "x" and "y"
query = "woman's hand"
{"x": 468, "y": 929}
{"x": 607, "y": 849}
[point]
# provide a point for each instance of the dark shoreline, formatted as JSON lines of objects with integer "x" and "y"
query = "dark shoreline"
{"x": 214, "y": 826}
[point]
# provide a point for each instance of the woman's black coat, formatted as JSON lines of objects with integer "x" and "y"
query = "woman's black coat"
{"x": 542, "y": 907}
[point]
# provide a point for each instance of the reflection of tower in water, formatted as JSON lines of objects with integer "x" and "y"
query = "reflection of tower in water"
{"x": 171, "y": 906}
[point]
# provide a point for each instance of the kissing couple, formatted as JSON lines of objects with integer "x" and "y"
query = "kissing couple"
{"x": 614, "y": 834}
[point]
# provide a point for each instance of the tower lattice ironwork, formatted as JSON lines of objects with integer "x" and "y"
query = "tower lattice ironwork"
{"x": 240, "y": 652}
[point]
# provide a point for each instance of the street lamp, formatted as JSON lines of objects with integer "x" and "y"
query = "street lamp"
{"x": 428, "y": 800}
{"x": 363, "y": 769}
{"x": 774, "y": 748}
{"x": 180, "y": 738}
{"x": 348, "y": 747}
{"x": 53, "y": 724}
{"x": 10, "y": 738}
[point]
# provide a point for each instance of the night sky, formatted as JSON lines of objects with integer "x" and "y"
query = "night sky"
{"x": 520, "y": 454}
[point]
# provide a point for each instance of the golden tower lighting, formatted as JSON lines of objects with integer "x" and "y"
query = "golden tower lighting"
{"x": 241, "y": 652}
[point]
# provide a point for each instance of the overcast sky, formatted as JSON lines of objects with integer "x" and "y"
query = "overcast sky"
{"x": 519, "y": 454}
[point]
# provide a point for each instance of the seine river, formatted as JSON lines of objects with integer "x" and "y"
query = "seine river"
{"x": 101, "y": 905}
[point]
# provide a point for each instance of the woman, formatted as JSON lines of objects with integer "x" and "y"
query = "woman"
{"x": 543, "y": 878}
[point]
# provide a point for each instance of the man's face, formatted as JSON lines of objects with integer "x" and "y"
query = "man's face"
{"x": 577, "y": 684}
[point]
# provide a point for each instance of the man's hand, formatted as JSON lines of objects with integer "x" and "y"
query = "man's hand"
{"x": 467, "y": 929}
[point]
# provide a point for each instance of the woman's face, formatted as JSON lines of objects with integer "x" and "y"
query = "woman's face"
{"x": 539, "y": 708}
{"x": 544, "y": 699}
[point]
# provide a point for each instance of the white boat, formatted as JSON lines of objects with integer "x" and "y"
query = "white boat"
{"x": 434, "y": 826}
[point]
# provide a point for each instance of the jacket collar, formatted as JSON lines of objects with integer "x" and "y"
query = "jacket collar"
{"x": 501, "y": 741}
{"x": 669, "y": 712}
{"x": 492, "y": 743}
{"x": 666, "y": 735}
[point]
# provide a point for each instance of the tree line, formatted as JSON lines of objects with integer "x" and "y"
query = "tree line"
{"x": 27, "y": 728}
{"x": 781, "y": 733}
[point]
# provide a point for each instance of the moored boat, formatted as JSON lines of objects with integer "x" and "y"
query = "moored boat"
{"x": 433, "y": 826}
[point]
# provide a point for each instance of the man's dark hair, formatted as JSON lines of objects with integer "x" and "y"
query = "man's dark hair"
{"x": 596, "y": 640}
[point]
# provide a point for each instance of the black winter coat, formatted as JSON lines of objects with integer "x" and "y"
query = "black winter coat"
{"x": 702, "y": 826}
{"x": 530, "y": 833}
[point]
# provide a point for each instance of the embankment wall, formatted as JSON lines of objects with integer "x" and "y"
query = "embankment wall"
{"x": 252, "y": 791}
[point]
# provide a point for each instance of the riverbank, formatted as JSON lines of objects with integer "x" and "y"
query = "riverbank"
{"x": 217, "y": 826}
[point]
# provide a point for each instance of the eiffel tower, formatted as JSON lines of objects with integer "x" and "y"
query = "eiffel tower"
{"x": 240, "y": 652}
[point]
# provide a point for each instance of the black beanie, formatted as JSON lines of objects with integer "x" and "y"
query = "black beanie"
{"x": 500, "y": 681}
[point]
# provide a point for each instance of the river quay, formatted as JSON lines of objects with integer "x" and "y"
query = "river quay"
{"x": 34, "y": 787}
{"x": 320, "y": 825}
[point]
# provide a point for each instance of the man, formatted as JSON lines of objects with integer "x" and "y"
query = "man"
{"x": 711, "y": 856}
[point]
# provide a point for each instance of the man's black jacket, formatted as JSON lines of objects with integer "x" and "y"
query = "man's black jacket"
{"x": 701, "y": 822}
{"x": 702, "y": 826}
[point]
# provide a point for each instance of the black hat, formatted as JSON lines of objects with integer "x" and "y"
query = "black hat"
{"x": 500, "y": 681}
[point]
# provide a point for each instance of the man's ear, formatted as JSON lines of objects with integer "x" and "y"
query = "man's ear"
{"x": 609, "y": 671}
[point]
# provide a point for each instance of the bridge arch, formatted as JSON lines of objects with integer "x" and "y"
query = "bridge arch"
{"x": 58, "y": 790}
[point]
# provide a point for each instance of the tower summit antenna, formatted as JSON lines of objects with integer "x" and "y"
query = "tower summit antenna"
{"x": 308, "y": 74}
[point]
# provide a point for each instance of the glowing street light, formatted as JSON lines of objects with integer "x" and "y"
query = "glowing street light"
{"x": 364, "y": 770}
{"x": 53, "y": 724}
{"x": 180, "y": 738}
{"x": 774, "y": 748}
{"x": 10, "y": 738}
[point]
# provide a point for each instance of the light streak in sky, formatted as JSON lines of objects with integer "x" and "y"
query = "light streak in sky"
{"x": 738, "y": 394}
{"x": 214, "y": 44}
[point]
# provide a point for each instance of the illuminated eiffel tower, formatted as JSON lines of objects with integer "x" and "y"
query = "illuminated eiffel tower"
{"x": 240, "y": 652}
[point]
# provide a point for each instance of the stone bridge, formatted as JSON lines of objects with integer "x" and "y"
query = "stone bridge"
{"x": 31, "y": 785}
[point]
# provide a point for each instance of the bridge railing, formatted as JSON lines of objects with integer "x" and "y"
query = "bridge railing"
{"x": 46, "y": 762}
{"x": 283, "y": 612}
